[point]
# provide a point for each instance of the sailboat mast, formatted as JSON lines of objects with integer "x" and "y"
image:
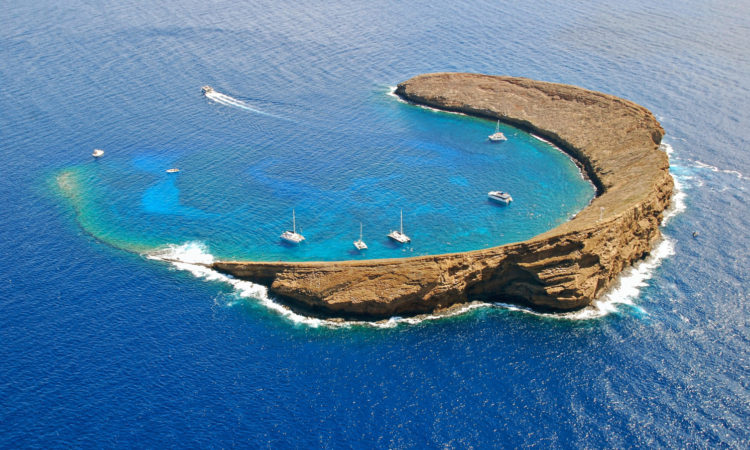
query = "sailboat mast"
{"x": 402, "y": 221}
{"x": 360, "y": 231}
{"x": 294, "y": 223}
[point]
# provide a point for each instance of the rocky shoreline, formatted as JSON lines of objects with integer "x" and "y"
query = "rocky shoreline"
{"x": 615, "y": 141}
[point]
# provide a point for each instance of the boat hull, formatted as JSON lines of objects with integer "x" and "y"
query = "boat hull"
{"x": 291, "y": 237}
{"x": 398, "y": 237}
{"x": 500, "y": 197}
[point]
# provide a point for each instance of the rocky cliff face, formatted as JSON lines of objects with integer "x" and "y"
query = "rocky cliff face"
{"x": 616, "y": 141}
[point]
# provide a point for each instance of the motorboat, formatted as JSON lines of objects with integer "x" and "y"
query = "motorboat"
{"x": 497, "y": 136}
{"x": 207, "y": 90}
{"x": 173, "y": 170}
{"x": 500, "y": 196}
{"x": 398, "y": 235}
{"x": 292, "y": 236}
{"x": 97, "y": 153}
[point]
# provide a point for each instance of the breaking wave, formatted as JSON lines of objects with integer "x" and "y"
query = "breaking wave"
{"x": 703, "y": 165}
{"x": 631, "y": 280}
{"x": 392, "y": 93}
{"x": 624, "y": 292}
{"x": 677, "y": 204}
{"x": 226, "y": 100}
{"x": 194, "y": 257}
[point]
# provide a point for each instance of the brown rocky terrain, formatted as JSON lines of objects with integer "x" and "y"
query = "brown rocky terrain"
{"x": 614, "y": 140}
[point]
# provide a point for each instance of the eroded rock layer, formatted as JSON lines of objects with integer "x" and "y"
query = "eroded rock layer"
{"x": 616, "y": 142}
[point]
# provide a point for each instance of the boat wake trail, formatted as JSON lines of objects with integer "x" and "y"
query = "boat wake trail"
{"x": 226, "y": 100}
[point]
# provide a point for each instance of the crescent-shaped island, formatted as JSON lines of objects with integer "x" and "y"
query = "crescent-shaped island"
{"x": 615, "y": 141}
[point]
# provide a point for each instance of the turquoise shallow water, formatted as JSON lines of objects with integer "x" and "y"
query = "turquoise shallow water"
{"x": 101, "y": 347}
{"x": 237, "y": 198}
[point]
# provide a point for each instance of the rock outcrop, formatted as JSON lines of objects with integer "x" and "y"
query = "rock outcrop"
{"x": 614, "y": 140}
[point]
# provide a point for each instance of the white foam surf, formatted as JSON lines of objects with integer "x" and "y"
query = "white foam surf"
{"x": 687, "y": 163}
{"x": 702, "y": 165}
{"x": 623, "y": 292}
{"x": 392, "y": 93}
{"x": 539, "y": 138}
{"x": 677, "y": 205}
{"x": 194, "y": 257}
{"x": 226, "y": 100}
{"x": 188, "y": 253}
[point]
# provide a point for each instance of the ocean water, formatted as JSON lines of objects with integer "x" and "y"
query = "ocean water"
{"x": 236, "y": 197}
{"x": 103, "y": 344}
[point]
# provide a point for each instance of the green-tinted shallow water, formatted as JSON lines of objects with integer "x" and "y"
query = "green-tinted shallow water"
{"x": 237, "y": 198}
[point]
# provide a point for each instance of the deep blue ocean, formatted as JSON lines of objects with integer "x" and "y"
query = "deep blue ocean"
{"x": 102, "y": 344}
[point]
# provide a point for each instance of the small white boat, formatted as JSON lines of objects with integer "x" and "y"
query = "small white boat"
{"x": 97, "y": 153}
{"x": 360, "y": 244}
{"x": 207, "y": 90}
{"x": 399, "y": 235}
{"x": 292, "y": 236}
{"x": 173, "y": 170}
{"x": 497, "y": 136}
{"x": 500, "y": 196}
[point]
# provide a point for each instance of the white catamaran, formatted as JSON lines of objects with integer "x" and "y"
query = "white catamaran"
{"x": 292, "y": 236}
{"x": 360, "y": 244}
{"x": 497, "y": 136}
{"x": 399, "y": 236}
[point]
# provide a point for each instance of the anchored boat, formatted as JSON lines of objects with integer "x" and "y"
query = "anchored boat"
{"x": 97, "y": 153}
{"x": 360, "y": 244}
{"x": 500, "y": 197}
{"x": 292, "y": 236}
{"x": 399, "y": 235}
{"x": 497, "y": 136}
